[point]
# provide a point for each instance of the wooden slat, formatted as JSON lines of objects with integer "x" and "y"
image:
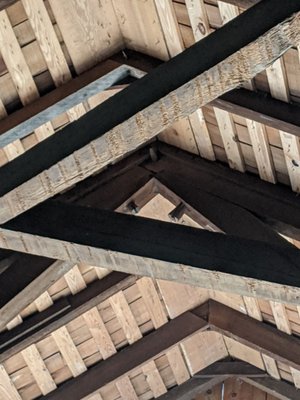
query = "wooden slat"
{"x": 17, "y": 66}
{"x": 51, "y": 49}
{"x": 296, "y": 377}
{"x": 262, "y": 152}
{"x": 99, "y": 332}
{"x": 90, "y": 30}
{"x": 126, "y": 389}
{"x": 38, "y": 369}
{"x": 245, "y": 353}
{"x": 211, "y": 347}
{"x": 199, "y": 22}
{"x": 271, "y": 366}
{"x": 43, "y": 301}
{"x": 152, "y": 301}
{"x": 230, "y": 140}
{"x": 252, "y": 307}
{"x": 47, "y": 39}
{"x": 7, "y": 388}
{"x": 69, "y": 351}
{"x": 75, "y": 280}
{"x": 200, "y": 137}
{"x": 154, "y": 379}
{"x": 291, "y": 147}
{"x": 281, "y": 317}
{"x": 125, "y": 317}
{"x": 178, "y": 365}
{"x": 250, "y": 262}
{"x": 170, "y": 26}
{"x": 224, "y": 119}
{"x": 15, "y": 62}
{"x": 187, "y": 98}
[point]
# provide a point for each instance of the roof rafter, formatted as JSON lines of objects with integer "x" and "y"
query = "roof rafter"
{"x": 228, "y": 50}
{"x": 208, "y": 316}
{"x": 158, "y": 249}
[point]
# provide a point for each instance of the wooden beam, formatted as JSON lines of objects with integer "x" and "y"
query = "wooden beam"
{"x": 25, "y": 120}
{"x": 28, "y": 276}
{"x": 262, "y": 108}
{"x": 158, "y": 249}
{"x": 275, "y": 204}
{"x": 255, "y": 334}
{"x": 173, "y": 90}
{"x": 40, "y": 325}
{"x": 279, "y": 389}
{"x": 224, "y": 214}
{"x": 24, "y": 281}
{"x": 230, "y": 368}
{"x": 131, "y": 357}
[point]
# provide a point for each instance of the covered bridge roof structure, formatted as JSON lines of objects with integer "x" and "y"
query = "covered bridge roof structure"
{"x": 149, "y": 199}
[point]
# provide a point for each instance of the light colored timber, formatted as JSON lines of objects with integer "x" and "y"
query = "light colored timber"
{"x": 38, "y": 369}
{"x": 200, "y": 26}
{"x": 33, "y": 291}
{"x": 51, "y": 49}
{"x": 69, "y": 351}
{"x": 137, "y": 265}
{"x": 145, "y": 125}
{"x": 70, "y": 101}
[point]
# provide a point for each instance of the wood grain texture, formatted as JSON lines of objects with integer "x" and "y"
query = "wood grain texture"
{"x": 132, "y": 133}
{"x": 7, "y": 388}
{"x": 89, "y": 29}
{"x": 38, "y": 369}
{"x": 69, "y": 351}
{"x": 256, "y": 272}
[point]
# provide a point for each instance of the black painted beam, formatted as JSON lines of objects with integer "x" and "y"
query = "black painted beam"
{"x": 261, "y": 107}
{"x": 146, "y": 91}
{"x": 274, "y": 204}
{"x": 95, "y": 233}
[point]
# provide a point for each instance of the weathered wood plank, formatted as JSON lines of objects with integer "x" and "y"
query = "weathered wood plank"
{"x": 228, "y": 263}
{"x": 63, "y": 311}
{"x": 22, "y": 122}
{"x": 138, "y": 120}
{"x": 129, "y": 358}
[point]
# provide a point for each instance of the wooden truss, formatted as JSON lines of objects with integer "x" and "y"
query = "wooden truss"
{"x": 103, "y": 138}
{"x": 241, "y": 250}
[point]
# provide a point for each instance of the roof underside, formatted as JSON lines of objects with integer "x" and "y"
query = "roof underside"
{"x": 89, "y": 313}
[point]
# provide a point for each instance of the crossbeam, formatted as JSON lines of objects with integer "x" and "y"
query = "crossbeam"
{"x": 234, "y": 54}
{"x": 158, "y": 249}
{"x": 275, "y": 204}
